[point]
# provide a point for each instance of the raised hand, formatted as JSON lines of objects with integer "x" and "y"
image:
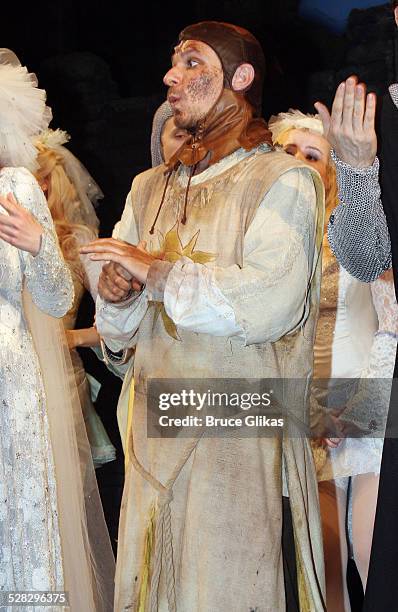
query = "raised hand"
{"x": 19, "y": 228}
{"x": 350, "y": 128}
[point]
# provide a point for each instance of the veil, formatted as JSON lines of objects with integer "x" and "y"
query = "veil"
{"x": 88, "y": 191}
{"x": 88, "y": 561}
{"x": 23, "y": 112}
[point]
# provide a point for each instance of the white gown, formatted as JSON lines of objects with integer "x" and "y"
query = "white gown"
{"x": 363, "y": 455}
{"x": 344, "y": 339}
{"x": 30, "y": 557}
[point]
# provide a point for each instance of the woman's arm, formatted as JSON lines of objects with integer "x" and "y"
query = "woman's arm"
{"x": 87, "y": 337}
{"x": 27, "y": 225}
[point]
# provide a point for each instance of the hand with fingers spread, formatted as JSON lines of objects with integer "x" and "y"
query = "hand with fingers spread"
{"x": 350, "y": 128}
{"x": 19, "y": 228}
{"x": 127, "y": 266}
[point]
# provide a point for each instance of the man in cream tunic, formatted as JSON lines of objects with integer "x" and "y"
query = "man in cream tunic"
{"x": 230, "y": 279}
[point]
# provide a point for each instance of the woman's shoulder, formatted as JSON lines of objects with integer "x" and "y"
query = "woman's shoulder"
{"x": 26, "y": 190}
{"x": 21, "y": 182}
{"x": 19, "y": 174}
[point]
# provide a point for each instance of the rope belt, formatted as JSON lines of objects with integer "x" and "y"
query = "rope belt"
{"x": 162, "y": 555}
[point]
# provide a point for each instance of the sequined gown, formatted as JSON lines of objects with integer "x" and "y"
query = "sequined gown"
{"x": 30, "y": 557}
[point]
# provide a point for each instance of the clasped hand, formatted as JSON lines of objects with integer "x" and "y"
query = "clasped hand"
{"x": 126, "y": 268}
{"x": 19, "y": 228}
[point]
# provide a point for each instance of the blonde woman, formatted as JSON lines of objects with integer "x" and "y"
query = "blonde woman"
{"x": 345, "y": 332}
{"x": 70, "y": 190}
{"x": 30, "y": 541}
{"x": 48, "y": 541}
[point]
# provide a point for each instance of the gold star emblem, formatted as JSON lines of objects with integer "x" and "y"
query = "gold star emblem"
{"x": 172, "y": 249}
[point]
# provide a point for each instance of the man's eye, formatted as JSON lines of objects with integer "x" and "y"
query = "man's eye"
{"x": 191, "y": 63}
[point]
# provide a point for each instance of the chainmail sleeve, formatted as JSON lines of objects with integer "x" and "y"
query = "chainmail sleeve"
{"x": 357, "y": 230}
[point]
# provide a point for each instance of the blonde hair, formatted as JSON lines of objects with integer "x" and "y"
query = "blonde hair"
{"x": 283, "y": 123}
{"x": 294, "y": 119}
{"x": 63, "y": 203}
{"x": 331, "y": 189}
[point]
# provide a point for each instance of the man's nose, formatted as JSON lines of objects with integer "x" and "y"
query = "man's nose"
{"x": 172, "y": 77}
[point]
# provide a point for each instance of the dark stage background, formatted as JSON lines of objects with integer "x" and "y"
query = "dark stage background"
{"x": 102, "y": 65}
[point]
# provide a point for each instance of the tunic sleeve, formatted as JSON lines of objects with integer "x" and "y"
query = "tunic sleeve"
{"x": 125, "y": 229}
{"x": 117, "y": 323}
{"x": 263, "y": 299}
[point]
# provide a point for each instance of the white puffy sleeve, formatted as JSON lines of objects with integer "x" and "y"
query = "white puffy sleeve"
{"x": 118, "y": 323}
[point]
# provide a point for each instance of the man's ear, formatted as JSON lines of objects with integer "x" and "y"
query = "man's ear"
{"x": 396, "y": 15}
{"x": 243, "y": 77}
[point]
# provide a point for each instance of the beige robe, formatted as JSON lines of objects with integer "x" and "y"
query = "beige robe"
{"x": 214, "y": 506}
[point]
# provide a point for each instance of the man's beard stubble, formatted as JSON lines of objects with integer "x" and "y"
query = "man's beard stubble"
{"x": 189, "y": 124}
{"x": 198, "y": 90}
